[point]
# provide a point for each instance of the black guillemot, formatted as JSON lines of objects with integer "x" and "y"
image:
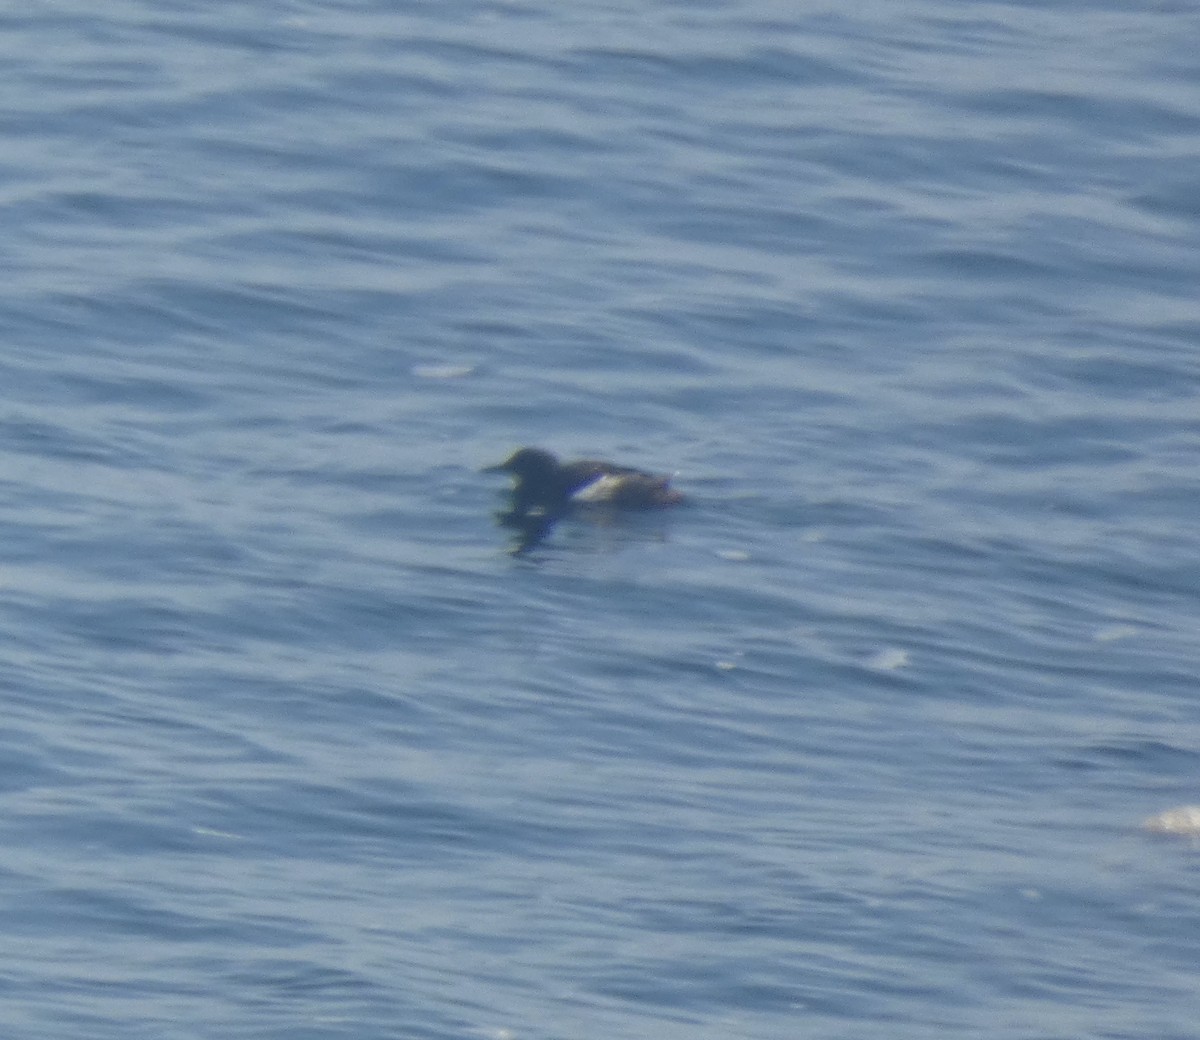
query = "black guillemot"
{"x": 546, "y": 487}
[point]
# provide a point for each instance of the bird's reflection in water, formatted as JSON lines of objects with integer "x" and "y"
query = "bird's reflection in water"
{"x": 529, "y": 529}
{"x": 594, "y": 529}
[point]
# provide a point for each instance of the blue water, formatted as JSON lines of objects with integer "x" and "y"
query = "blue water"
{"x": 855, "y": 744}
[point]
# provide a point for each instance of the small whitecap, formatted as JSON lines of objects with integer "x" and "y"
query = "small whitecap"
{"x": 736, "y": 555}
{"x": 208, "y": 832}
{"x": 442, "y": 371}
{"x": 1183, "y": 820}
{"x": 887, "y": 660}
{"x": 1111, "y": 633}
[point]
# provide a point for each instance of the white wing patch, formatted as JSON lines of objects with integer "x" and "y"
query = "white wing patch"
{"x": 603, "y": 489}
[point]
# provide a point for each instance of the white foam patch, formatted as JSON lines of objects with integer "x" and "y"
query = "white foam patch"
{"x": 208, "y": 832}
{"x": 887, "y": 660}
{"x": 1184, "y": 820}
{"x": 442, "y": 371}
